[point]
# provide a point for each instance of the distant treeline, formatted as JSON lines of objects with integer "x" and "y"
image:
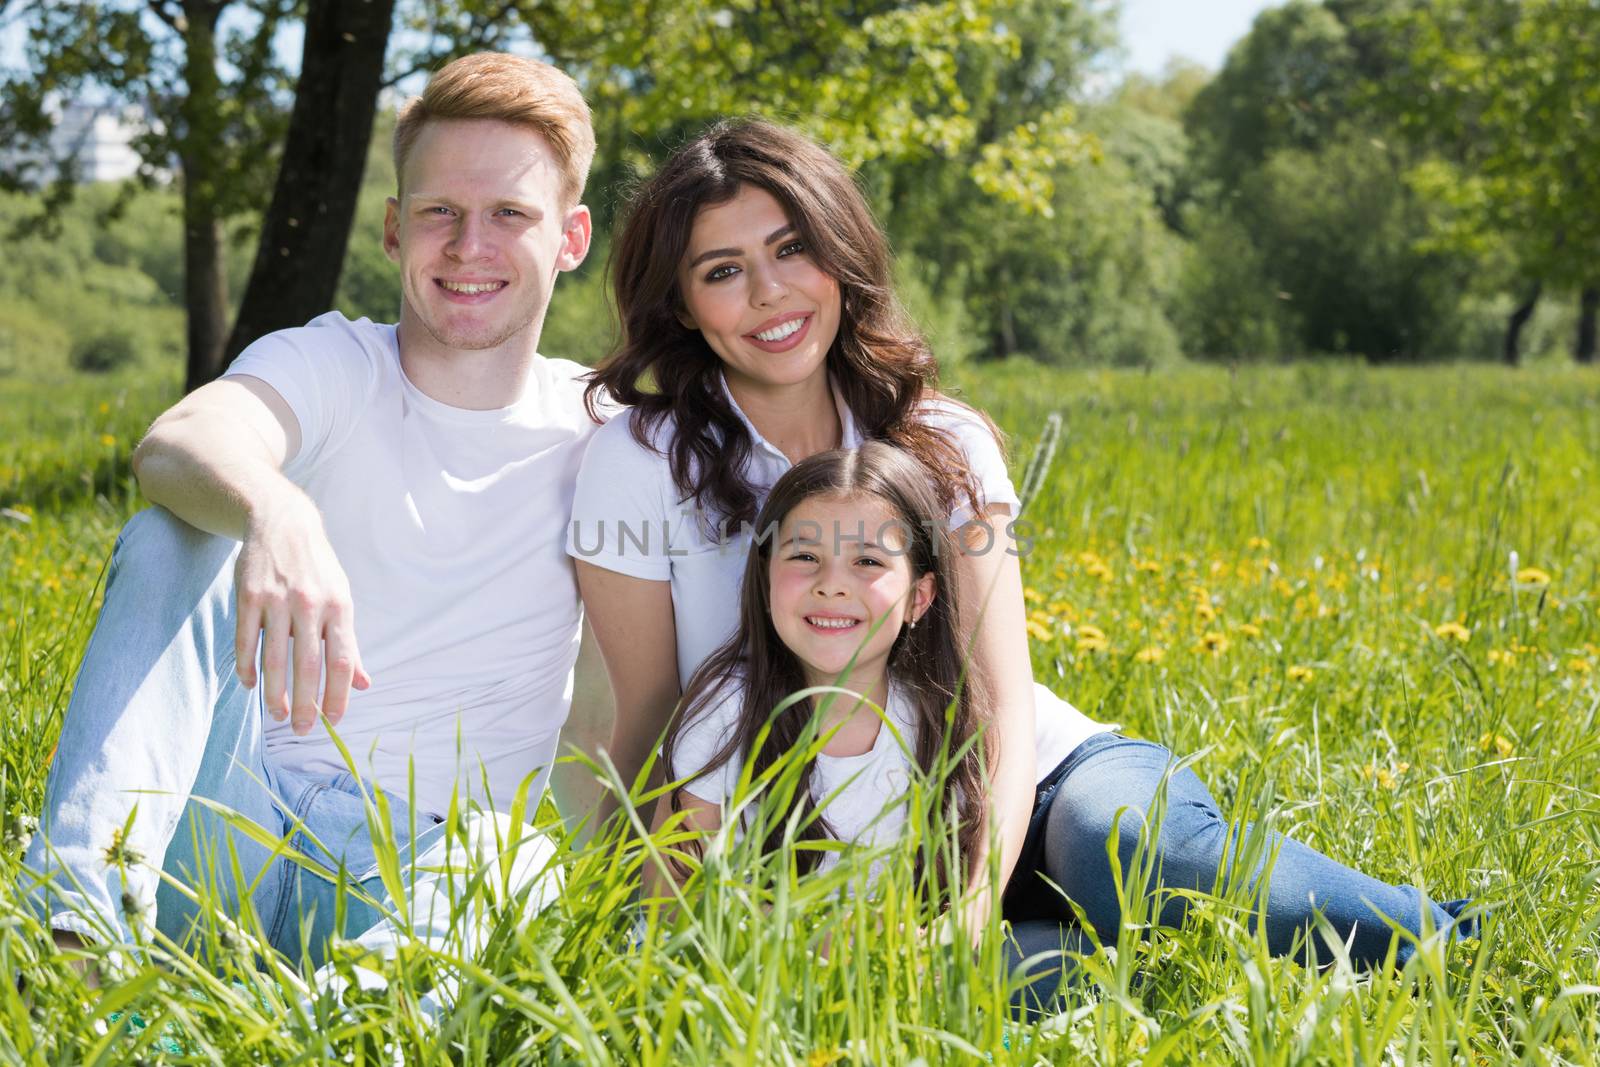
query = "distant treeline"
{"x": 1363, "y": 178}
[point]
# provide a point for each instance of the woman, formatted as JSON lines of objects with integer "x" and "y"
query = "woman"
{"x": 753, "y": 289}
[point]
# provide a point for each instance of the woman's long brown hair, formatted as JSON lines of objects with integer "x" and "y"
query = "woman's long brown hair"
{"x": 881, "y": 362}
{"x": 925, "y": 662}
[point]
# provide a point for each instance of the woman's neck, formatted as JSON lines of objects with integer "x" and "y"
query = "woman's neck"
{"x": 798, "y": 420}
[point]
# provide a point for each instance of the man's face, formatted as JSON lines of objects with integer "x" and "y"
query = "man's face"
{"x": 480, "y": 233}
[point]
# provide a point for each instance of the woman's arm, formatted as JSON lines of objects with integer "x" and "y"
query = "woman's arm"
{"x": 990, "y": 578}
{"x": 633, "y": 624}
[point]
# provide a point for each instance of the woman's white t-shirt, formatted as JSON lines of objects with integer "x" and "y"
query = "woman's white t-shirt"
{"x": 628, "y": 516}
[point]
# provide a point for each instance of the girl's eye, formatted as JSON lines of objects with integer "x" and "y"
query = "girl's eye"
{"x": 727, "y": 270}
{"x": 870, "y": 561}
{"x": 803, "y": 557}
{"x": 792, "y": 248}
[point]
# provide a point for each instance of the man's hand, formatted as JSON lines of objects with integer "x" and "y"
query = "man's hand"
{"x": 294, "y": 599}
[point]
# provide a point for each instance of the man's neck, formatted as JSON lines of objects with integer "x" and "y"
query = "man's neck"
{"x": 799, "y": 420}
{"x": 472, "y": 379}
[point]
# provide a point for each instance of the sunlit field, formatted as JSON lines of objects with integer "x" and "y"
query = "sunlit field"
{"x": 1364, "y": 600}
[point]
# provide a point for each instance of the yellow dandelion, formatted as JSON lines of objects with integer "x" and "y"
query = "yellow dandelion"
{"x": 824, "y": 1057}
{"x": 1386, "y": 778}
{"x": 1060, "y": 574}
{"x": 1032, "y": 595}
{"x": 1282, "y": 588}
{"x": 1092, "y": 639}
{"x": 1098, "y": 569}
{"x": 1150, "y": 654}
{"x": 1578, "y": 665}
{"x": 105, "y": 408}
{"x": 1453, "y": 631}
{"x": 1501, "y": 745}
{"x": 1147, "y": 566}
{"x": 1501, "y": 657}
{"x": 1038, "y": 631}
{"x": 107, "y": 440}
{"x": 1532, "y": 576}
{"x": 1298, "y": 673}
{"x": 1204, "y": 611}
{"x": 1259, "y": 543}
{"x": 1214, "y": 642}
{"x": 1249, "y": 629}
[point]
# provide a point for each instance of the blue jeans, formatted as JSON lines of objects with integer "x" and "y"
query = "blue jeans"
{"x": 1112, "y": 781}
{"x": 158, "y": 719}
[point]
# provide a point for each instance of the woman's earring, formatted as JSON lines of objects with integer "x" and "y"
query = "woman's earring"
{"x": 912, "y": 625}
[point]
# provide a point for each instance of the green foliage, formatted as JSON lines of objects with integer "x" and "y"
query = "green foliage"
{"x": 1503, "y": 93}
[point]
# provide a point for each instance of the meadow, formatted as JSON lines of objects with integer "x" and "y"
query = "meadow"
{"x": 1364, "y": 599}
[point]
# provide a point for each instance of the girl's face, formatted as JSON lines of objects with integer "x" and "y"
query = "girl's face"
{"x": 838, "y": 567}
{"x": 753, "y": 291}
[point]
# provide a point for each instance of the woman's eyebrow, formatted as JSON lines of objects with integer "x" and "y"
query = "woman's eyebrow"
{"x": 718, "y": 253}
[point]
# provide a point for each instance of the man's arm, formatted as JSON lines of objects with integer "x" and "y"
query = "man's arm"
{"x": 215, "y": 460}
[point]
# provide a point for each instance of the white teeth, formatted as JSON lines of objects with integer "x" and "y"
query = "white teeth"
{"x": 830, "y": 624}
{"x": 471, "y": 289}
{"x": 778, "y": 333}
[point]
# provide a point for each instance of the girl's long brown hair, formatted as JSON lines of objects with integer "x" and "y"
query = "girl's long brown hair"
{"x": 925, "y": 662}
{"x": 881, "y": 362}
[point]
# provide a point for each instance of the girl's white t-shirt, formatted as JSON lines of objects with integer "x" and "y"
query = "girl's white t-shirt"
{"x": 867, "y": 790}
{"x": 629, "y": 517}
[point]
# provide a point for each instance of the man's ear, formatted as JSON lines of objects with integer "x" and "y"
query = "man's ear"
{"x": 922, "y": 593}
{"x": 391, "y": 229}
{"x": 576, "y": 235}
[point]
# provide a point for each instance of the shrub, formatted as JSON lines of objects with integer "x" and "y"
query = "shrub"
{"x": 102, "y": 353}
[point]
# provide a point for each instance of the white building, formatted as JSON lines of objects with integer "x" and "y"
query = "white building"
{"x": 100, "y": 136}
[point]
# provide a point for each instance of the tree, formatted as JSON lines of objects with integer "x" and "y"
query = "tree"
{"x": 1502, "y": 93}
{"x": 1313, "y": 180}
{"x": 214, "y": 95}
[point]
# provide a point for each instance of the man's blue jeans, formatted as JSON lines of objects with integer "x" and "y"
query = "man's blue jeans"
{"x": 157, "y": 719}
{"x": 1111, "y": 781}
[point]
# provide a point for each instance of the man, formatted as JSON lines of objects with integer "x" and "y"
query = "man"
{"x": 379, "y": 510}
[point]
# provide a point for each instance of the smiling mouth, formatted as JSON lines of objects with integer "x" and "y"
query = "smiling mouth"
{"x": 831, "y": 623}
{"x": 469, "y": 288}
{"x": 783, "y": 336}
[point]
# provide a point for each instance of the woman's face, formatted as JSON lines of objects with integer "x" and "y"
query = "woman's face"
{"x": 840, "y": 566}
{"x": 753, "y": 291}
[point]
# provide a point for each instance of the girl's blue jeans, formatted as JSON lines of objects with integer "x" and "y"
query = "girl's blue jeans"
{"x": 1110, "y": 782}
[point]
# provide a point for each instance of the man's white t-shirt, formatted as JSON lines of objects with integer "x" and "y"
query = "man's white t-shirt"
{"x": 450, "y": 525}
{"x": 629, "y": 517}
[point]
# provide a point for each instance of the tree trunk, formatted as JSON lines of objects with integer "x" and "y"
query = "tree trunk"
{"x": 1519, "y": 318}
{"x": 205, "y": 277}
{"x": 1588, "y": 306}
{"x": 307, "y": 225}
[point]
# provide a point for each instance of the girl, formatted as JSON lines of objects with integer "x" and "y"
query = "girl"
{"x": 856, "y": 576}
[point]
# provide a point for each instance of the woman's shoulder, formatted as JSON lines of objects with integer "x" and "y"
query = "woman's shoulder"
{"x": 617, "y": 444}
{"x": 958, "y": 417}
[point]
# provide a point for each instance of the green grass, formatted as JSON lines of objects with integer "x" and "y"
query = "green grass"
{"x": 1262, "y": 567}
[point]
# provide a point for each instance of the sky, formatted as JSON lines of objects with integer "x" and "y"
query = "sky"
{"x": 1155, "y": 30}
